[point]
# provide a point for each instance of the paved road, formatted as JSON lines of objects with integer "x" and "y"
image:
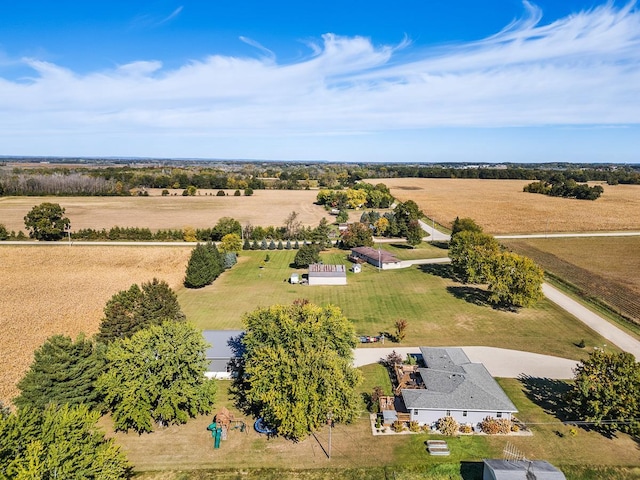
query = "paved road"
{"x": 594, "y": 321}
{"x": 434, "y": 235}
{"x": 571, "y": 235}
{"x": 500, "y": 362}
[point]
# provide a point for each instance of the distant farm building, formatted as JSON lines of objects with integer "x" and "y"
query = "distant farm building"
{"x": 321, "y": 274}
{"x": 224, "y": 349}
{"x": 376, "y": 257}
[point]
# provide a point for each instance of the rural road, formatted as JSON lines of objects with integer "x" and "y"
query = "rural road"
{"x": 500, "y": 362}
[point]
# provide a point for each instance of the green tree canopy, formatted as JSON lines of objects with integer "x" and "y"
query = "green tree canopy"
{"x": 357, "y": 235}
{"x": 471, "y": 253}
{"x": 132, "y": 310}
{"x": 514, "y": 280}
{"x": 63, "y": 371}
{"x": 58, "y": 442}
{"x": 225, "y": 226}
{"x": 607, "y": 391}
{"x": 306, "y": 255}
{"x": 204, "y": 266}
{"x": 464, "y": 225}
{"x": 46, "y": 222}
{"x": 297, "y": 367}
{"x": 157, "y": 376}
{"x": 231, "y": 243}
{"x": 414, "y": 233}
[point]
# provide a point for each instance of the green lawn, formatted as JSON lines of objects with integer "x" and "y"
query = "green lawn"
{"x": 438, "y": 310}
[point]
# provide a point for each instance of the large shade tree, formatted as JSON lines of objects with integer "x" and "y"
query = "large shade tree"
{"x": 297, "y": 367}
{"x": 157, "y": 377}
{"x": 471, "y": 253}
{"x": 58, "y": 442}
{"x": 514, "y": 280}
{"x": 132, "y": 310}
{"x": 606, "y": 392}
{"x": 46, "y": 221}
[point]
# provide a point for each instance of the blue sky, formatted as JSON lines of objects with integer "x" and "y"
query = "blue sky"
{"x": 414, "y": 81}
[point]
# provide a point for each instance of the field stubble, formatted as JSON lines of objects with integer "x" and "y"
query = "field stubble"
{"x": 63, "y": 290}
{"x": 501, "y": 207}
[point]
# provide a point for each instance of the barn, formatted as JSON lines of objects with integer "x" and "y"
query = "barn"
{"x": 321, "y": 274}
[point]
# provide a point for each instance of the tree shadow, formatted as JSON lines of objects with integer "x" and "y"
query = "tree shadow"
{"x": 549, "y": 394}
{"x": 442, "y": 270}
{"x": 440, "y": 245}
{"x": 471, "y": 470}
{"x": 402, "y": 246}
{"x": 474, "y": 295}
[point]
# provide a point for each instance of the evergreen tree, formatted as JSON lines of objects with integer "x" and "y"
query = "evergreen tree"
{"x": 131, "y": 310}
{"x": 414, "y": 233}
{"x": 255, "y": 246}
{"x": 306, "y": 255}
{"x": 280, "y": 246}
{"x": 205, "y": 265}
{"x": 246, "y": 245}
{"x": 63, "y": 371}
{"x": 288, "y": 245}
{"x": 157, "y": 376}
{"x": 263, "y": 245}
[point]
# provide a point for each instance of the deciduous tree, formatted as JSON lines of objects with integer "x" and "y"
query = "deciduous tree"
{"x": 464, "y": 225}
{"x": 157, "y": 376}
{"x": 607, "y": 392}
{"x": 46, "y": 222}
{"x": 414, "y": 233}
{"x": 514, "y": 280}
{"x": 297, "y": 367}
{"x": 306, "y": 255}
{"x": 231, "y": 242}
{"x": 471, "y": 253}
{"x": 357, "y": 235}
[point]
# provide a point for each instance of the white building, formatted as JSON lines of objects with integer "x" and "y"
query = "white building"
{"x": 321, "y": 274}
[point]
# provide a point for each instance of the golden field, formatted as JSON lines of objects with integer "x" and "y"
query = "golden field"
{"x": 501, "y": 207}
{"x": 264, "y": 207}
{"x": 61, "y": 290}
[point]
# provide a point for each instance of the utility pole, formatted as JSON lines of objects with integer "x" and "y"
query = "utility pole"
{"x": 330, "y": 422}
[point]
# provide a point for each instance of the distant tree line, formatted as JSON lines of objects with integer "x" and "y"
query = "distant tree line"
{"x": 559, "y": 186}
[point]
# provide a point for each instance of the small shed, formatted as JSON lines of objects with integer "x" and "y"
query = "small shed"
{"x": 520, "y": 470}
{"x": 321, "y": 274}
{"x": 356, "y": 268}
{"x": 294, "y": 278}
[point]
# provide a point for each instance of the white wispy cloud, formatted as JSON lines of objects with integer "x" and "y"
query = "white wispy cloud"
{"x": 580, "y": 70}
{"x": 153, "y": 21}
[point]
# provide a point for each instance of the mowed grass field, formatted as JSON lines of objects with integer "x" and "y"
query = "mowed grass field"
{"x": 501, "y": 207}
{"x": 48, "y": 290}
{"x": 601, "y": 267}
{"x": 356, "y": 453}
{"x": 264, "y": 207}
{"x": 438, "y": 310}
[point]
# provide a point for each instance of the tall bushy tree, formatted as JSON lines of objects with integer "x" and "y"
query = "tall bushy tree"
{"x": 157, "y": 376}
{"x": 514, "y": 280}
{"x": 306, "y": 255}
{"x": 132, "y": 310}
{"x": 231, "y": 242}
{"x": 58, "y": 442}
{"x": 63, "y": 371}
{"x": 607, "y": 392}
{"x": 471, "y": 253}
{"x": 297, "y": 367}
{"x": 204, "y": 266}
{"x": 464, "y": 225}
{"x": 357, "y": 235}
{"x": 414, "y": 233}
{"x": 46, "y": 221}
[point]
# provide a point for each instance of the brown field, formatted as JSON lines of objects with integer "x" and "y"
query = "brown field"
{"x": 264, "y": 207}
{"x": 51, "y": 290}
{"x": 601, "y": 267}
{"x": 501, "y": 207}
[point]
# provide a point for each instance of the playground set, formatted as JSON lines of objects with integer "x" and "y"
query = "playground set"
{"x": 223, "y": 422}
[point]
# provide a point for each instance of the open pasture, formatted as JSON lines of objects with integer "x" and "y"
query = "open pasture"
{"x": 52, "y": 290}
{"x": 438, "y": 310}
{"x": 501, "y": 207}
{"x": 264, "y": 207}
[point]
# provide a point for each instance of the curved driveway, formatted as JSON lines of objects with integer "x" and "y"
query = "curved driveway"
{"x": 500, "y": 362}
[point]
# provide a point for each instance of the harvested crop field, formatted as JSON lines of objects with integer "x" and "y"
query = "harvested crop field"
{"x": 264, "y": 207}
{"x": 602, "y": 267}
{"x": 51, "y": 290}
{"x": 501, "y": 207}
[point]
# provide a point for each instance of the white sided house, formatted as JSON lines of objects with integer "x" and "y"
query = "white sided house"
{"x": 453, "y": 386}
{"x": 376, "y": 257}
{"x": 321, "y": 274}
{"x": 224, "y": 349}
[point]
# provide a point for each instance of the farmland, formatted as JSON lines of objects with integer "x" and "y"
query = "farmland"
{"x": 601, "y": 267}
{"x": 51, "y": 290}
{"x": 264, "y": 207}
{"x": 501, "y": 207}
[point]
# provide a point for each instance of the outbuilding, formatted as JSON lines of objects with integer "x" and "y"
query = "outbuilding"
{"x": 321, "y": 274}
{"x": 520, "y": 470}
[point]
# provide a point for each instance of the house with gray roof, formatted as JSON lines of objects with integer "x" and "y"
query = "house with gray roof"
{"x": 520, "y": 470}
{"x": 453, "y": 386}
{"x": 224, "y": 349}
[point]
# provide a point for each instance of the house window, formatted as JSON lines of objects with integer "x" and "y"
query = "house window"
{"x": 464, "y": 413}
{"x": 415, "y": 412}
{"x": 448, "y": 413}
{"x": 499, "y": 415}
